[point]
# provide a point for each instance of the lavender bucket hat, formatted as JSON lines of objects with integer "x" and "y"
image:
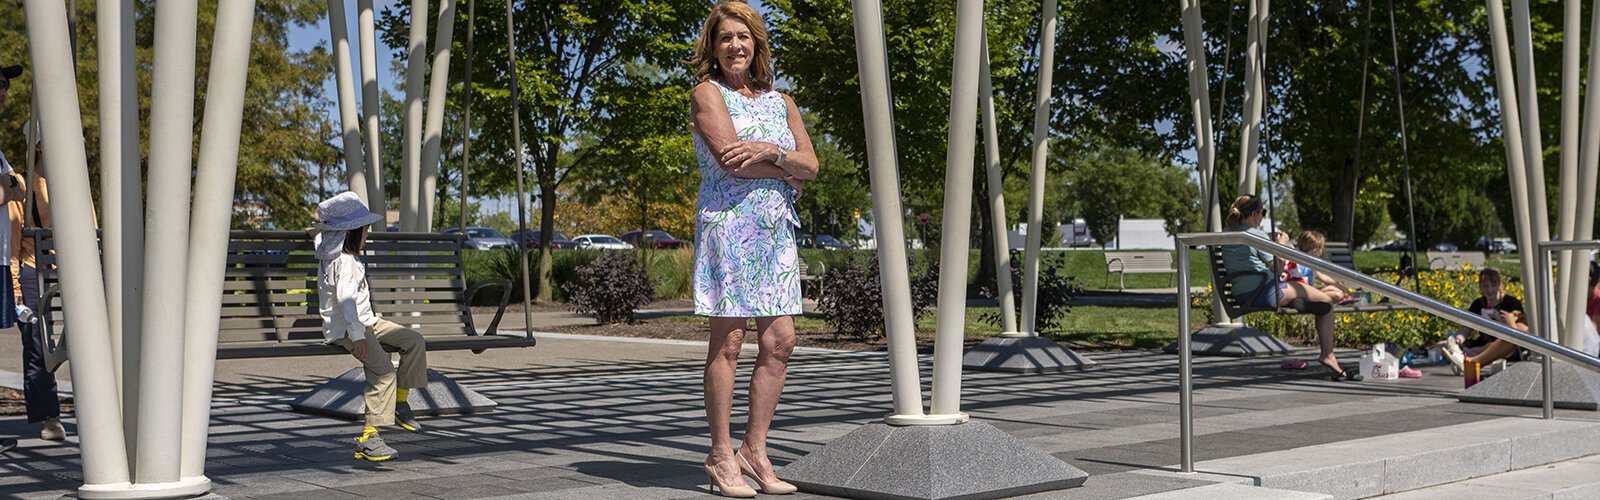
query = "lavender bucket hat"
{"x": 344, "y": 212}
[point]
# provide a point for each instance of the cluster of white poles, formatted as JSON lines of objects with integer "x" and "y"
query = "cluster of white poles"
{"x": 144, "y": 351}
{"x": 971, "y": 89}
{"x": 1520, "y": 120}
{"x": 419, "y": 175}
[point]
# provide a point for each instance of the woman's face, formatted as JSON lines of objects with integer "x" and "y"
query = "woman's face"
{"x": 735, "y": 46}
{"x": 1255, "y": 218}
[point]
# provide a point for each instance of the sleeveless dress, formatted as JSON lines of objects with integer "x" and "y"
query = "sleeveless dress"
{"x": 745, "y": 259}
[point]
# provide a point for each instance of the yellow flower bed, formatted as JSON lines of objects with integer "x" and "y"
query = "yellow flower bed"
{"x": 1406, "y": 328}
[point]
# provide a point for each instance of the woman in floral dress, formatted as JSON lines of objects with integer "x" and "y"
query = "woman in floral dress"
{"x": 754, "y": 158}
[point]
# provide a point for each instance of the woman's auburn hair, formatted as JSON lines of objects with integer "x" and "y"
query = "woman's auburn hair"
{"x": 705, "y": 50}
{"x": 1243, "y": 206}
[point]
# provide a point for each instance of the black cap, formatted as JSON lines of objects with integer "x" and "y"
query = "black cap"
{"x": 11, "y": 72}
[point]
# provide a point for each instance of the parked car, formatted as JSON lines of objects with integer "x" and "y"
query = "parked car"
{"x": 653, "y": 239}
{"x": 532, "y": 239}
{"x": 1497, "y": 245}
{"x": 824, "y": 241}
{"x": 483, "y": 238}
{"x": 1396, "y": 246}
{"x": 601, "y": 242}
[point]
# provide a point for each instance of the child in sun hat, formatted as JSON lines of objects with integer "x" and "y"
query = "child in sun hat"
{"x": 348, "y": 322}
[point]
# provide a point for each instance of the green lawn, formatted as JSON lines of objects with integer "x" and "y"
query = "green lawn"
{"x": 1089, "y": 266}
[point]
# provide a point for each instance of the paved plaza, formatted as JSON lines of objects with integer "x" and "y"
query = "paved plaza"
{"x": 590, "y": 417}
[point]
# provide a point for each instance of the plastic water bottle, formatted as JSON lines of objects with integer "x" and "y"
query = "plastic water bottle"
{"x": 25, "y": 315}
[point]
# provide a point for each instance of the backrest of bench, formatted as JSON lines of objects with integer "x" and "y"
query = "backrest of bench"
{"x": 270, "y": 289}
{"x": 1456, "y": 261}
{"x": 1142, "y": 261}
{"x": 1338, "y": 252}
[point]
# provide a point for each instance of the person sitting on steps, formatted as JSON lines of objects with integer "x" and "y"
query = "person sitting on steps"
{"x": 348, "y": 322}
{"x": 1495, "y": 305}
{"x": 1264, "y": 289}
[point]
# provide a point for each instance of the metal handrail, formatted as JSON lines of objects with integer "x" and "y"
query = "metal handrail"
{"x": 1522, "y": 339}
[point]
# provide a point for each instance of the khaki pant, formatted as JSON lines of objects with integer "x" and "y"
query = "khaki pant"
{"x": 381, "y": 373}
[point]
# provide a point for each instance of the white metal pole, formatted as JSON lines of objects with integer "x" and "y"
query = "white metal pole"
{"x": 105, "y": 459}
{"x": 1589, "y": 166}
{"x": 877, "y": 110}
{"x": 167, "y": 244}
{"x": 949, "y": 340}
{"x": 1040, "y": 155}
{"x": 121, "y": 198}
{"x": 213, "y": 213}
{"x": 1250, "y": 126}
{"x": 1572, "y": 26}
{"x": 997, "y": 199}
{"x": 1532, "y": 151}
{"x": 1510, "y": 120}
{"x": 1205, "y": 140}
{"x": 349, "y": 120}
{"x": 1260, "y": 90}
{"x": 416, "y": 68}
{"x": 427, "y": 190}
{"x": 369, "y": 108}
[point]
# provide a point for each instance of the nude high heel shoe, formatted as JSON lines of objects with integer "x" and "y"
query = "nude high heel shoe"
{"x": 776, "y": 488}
{"x": 737, "y": 490}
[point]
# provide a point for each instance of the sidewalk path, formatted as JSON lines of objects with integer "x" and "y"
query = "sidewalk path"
{"x": 590, "y": 417}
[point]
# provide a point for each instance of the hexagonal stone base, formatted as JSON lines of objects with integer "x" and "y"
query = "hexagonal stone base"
{"x": 1023, "y": 355}
{"x": 966, "y": 461}
{"x": 341, "y": 397}
{"x": 1234, "y": 340}
{"x": 1572, "y": 388}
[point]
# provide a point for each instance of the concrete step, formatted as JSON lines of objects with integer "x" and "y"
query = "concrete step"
{"x": 1408, "y": 461}
{"x": 1572, "y": 479}
{"x": 1231, "y": 491}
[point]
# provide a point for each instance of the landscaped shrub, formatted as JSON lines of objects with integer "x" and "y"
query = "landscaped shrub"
{"x": 1056, "y": 291}
{"x": 610, "y": 288}
{"x": 854, "y": 302}
{"x": 671, "y": 272}
{"x": 493, "y": 264}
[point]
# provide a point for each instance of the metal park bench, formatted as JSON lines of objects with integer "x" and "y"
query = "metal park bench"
{"x": 1456, "y": 261}
{"x": 806, "y": 276}
{"x": 270, "y": 303}
{"x": 1123, "y": 263}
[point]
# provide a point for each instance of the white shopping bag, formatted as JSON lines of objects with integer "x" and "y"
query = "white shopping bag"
{"x": 1378, "y": 364}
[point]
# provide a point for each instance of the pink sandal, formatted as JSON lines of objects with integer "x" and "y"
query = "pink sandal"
{"x": 1295, "y": 364}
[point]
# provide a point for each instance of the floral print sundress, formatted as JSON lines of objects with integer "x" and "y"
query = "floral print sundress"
{"x": 745, "y": 259}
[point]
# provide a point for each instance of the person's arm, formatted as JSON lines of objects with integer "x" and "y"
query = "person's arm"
{"x": 708, "y": 117}
{"x": 801, "y": 163}
{"x": 1327, "y": 280}
{"x": 41, "y": 197}
{"x": 347, "y": 280}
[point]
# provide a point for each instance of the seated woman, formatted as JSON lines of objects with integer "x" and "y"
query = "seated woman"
{"x": 1265, "y": 289}
{"x": 1494, "y": 305}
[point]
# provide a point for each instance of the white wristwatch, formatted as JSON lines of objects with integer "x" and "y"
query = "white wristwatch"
{"x": 783, "y": 156}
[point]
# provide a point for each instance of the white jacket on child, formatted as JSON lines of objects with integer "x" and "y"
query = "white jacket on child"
{"x": 345, "y": 303}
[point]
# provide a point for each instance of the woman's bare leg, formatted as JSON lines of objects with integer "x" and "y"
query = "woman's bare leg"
{"x": 1495, "y": 351}
{"x": 766, "y": 384}
{"x": 722, "y": 358}
{"x": 1324, "y": 322}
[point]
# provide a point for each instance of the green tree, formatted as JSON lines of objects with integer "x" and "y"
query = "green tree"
{"x": 285, "y": 133}
{"x": 1115, "y": 183}
{"x": 1108, "y": 59}
{"x": 567, "y": 52}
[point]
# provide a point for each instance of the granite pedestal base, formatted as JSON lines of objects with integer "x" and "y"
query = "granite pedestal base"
{"x": 341, "y": 397}
{"x": 1519, "y": 384}
{"x": 1023, "y": 355}
{"x": 948, "y": 462}
{"x": 1235, "y": 341}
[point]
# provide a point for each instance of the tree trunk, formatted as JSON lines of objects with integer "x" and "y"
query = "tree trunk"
{"x": 1344, "y": 191}
{"x": 985, "y": 232}
{"x": 547, "y": 221}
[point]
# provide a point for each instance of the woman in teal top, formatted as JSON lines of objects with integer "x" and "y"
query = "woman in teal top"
{"x": 1246, "y": 216}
